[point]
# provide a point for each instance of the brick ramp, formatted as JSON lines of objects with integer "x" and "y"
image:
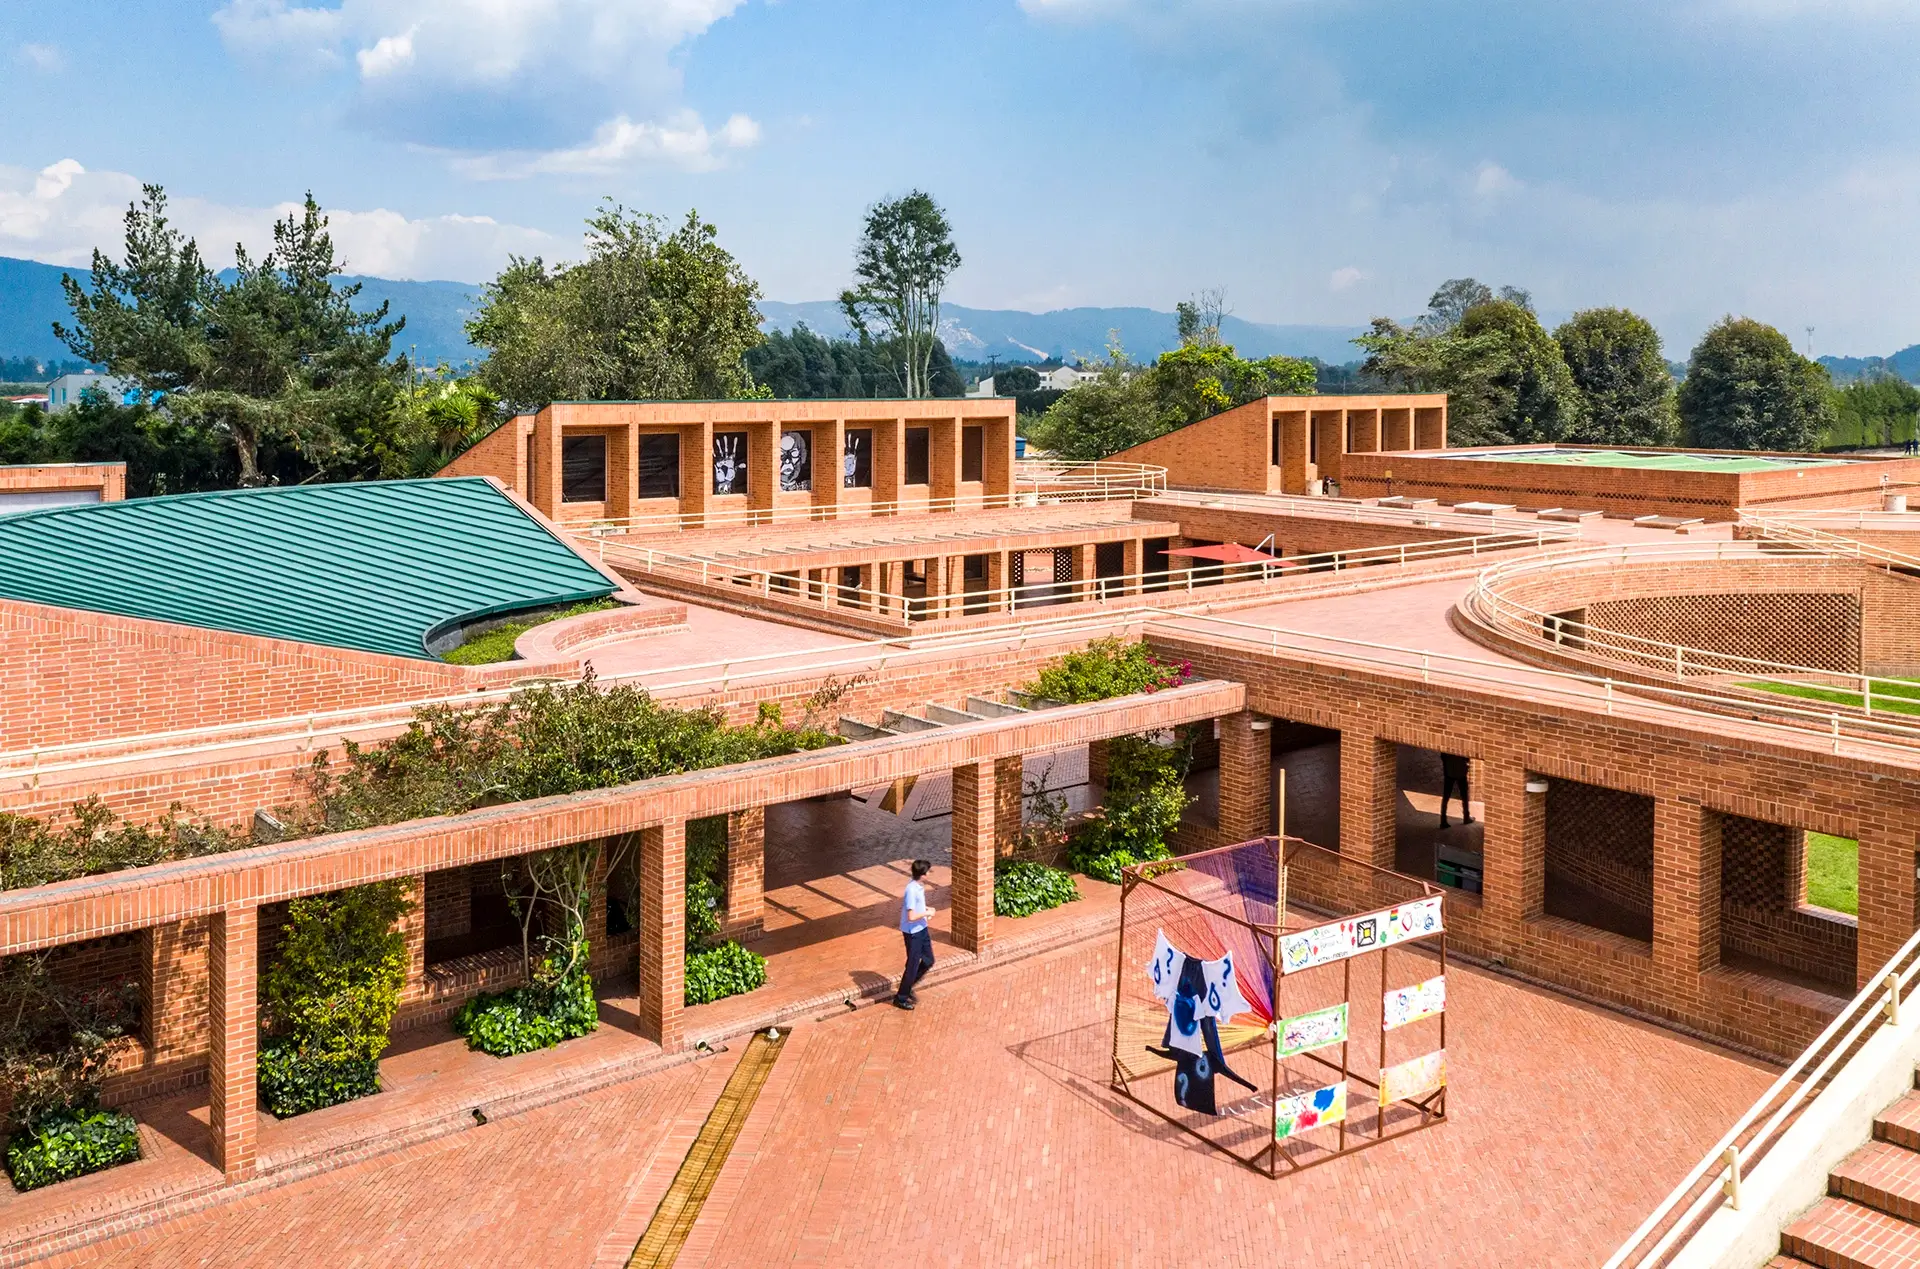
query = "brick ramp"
{"x": 1870, "y": 1218}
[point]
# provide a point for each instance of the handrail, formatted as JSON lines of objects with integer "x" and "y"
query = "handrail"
{"x": 1660, "y": 655}
{"x": 1704, "y": 1188}
{"x": 1790, "y": 530}
{"x": 799, "y": 587}
{"x": 1357, "y": 510}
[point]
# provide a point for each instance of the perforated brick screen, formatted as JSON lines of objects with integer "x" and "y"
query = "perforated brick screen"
{"x": 1817, "y": 630}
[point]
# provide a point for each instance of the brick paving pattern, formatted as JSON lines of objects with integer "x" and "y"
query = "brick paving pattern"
{"x": 979, "y": 1130}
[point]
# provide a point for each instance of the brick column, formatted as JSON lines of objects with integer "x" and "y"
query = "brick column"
{"x": 1514, "y": 860}
{"x": 1097, "y": 756}
{"x": 173, "y": 987}
{"x": 999, "y": 577}
{"x": 1246, "y": 777}
{"x": 233, "y": 969}
{"x": 1369, "y": 797}
{"x": 663, "y": 933}
{"x": 973, "y": 833}
{"x": 414, "y": 926}
{"x": 1686, "y": 895}
{"x": 1133, "y": 562}
{"x": 956, "y": 585}
{"x": 1085, "y": 566}
{"x": 1007, "y": 804}
{"x": 895, "y": 585}
{"x": 1887, "y": 896}
{"x": 746, "y": 916}
{"x": 936, "y": 605}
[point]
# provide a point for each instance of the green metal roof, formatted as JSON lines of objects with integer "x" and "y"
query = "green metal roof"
{"x": 379, "y": 566}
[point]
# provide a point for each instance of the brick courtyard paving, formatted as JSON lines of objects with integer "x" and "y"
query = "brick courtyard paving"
{"x": 979, "y": 1131}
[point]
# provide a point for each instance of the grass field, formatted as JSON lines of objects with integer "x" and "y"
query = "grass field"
{"x": 1894, "y": 696}
{"x": 1833, "y": 873}
{"x": 497, "y": 643}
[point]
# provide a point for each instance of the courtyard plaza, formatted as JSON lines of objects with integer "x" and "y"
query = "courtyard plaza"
{"x": 980, "y": 1130}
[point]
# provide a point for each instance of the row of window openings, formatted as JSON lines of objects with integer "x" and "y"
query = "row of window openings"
{"x": 583, "y": 462}
{"x": 1313, "y": 441}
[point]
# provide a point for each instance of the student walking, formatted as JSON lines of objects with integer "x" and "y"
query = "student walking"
{"x": 1453, "y": 772}
{"x": 914, "y": 912}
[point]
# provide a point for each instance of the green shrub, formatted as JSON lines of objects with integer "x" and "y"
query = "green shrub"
{"x": 293, "y": 1083}
{"x": 1105, "y": 867}
{"x": 497, "y": 644}
{"x": 331, "y": 995}
{"x": 93, "y": 840}
{"x": 1104, "y": 669}
{"x": 70, "y": 1143}
{"x": 726, "y": 970}
{"x": 1146, "y": 792}
{"x": 536, "y": 1016}
{"x": 1024, "y": 888}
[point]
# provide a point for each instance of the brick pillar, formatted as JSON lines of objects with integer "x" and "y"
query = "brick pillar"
{"x": 895, "y": 585}
{"x": 973, "y": 833}
{"x": 1887, "y": 897}
{"x": 746, "y": 916}
{"x": 1133, "y": 557}
{"x": 1369, "y": 798}
{"x": 1686, "y": 895}
{"x": 1246, "y": 777}
{"x": 1085, "y": 567}
{"x": 233, "y": 968}
{"x": 999, "y": 577}
{"x": 414, "y": 926}
{"x": 1007, "y": 805}
{"x": 1097, "y": 758}
{"x": 830, "y": 587}
{"x": 956, "y": 585}
{"x": 173, "y": 987}
{"x": 936, "y": 605}
{"x": 598, "y": 897}
{"x": 663, "y": 933}
{"x": 1514, "y": 878}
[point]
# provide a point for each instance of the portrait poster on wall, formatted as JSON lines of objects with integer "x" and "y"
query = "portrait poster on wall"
{"x": 729, "y": 462}
{"x": 856, "y": 464}
{"x": 796, "y": 462}
{"x": 1413, "y": 1079}
{"x": 1318, "y": 1108}
{"x": 1314, "y": 1030}
{"x": 1410, "y": 1004}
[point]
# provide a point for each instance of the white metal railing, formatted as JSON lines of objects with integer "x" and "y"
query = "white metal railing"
{"x": 1664, "y": 657}
{"x": 1035, "y": 483}
{"x": 1366, "y": 512}
{"x": 1789, "y": 528}
{"x": 1614, "y": 696}
{"x": 799, "y": 586}
{"x": 1715, "y": 1180}
{"x": 1824, "y": 518}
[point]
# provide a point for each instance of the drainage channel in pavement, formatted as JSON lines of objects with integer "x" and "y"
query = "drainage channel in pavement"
{"x": 673, "y": 1220}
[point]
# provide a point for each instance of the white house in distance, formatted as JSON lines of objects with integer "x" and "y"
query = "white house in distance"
{"x": 1060, "y": 379}
{"x": 64, "y": 393}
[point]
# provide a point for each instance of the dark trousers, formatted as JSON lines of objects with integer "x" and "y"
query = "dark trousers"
{"x": 919, "y": 961}
{"x": 1446, "y": 792}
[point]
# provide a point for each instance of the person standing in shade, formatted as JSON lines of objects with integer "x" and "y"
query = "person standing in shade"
{"x": 1453, "y": 771}
{"x": 914, "y": 913}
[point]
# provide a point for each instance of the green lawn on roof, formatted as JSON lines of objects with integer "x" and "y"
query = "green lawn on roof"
{"x": 1833, "y": 873}
{"x": 497, "y": 643}
{"x": 1894, "y": 696}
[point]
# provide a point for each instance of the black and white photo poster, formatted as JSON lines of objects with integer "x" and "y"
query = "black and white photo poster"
{"x": 796, "y": 462}
{"x": 729, "y": 462}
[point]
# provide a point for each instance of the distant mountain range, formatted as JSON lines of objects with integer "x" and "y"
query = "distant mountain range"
{"x": 31, "y": 301}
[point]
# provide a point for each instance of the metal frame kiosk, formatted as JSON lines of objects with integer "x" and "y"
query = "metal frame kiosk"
{"x": 1281, "y": 1002}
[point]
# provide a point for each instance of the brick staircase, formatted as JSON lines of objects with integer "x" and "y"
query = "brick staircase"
{"x": 1870, "y": 1218}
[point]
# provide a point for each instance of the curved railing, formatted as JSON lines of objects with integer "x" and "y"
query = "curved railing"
{"x": 1714, "y": 1182}
{"x": 1112, "y": 480}
{"x": 1488, "y": 603}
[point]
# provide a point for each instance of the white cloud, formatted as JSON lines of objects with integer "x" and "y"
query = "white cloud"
{"x": 61, "y": 213}
{"x": 1345, "y": 278}
{"x": 682, "y": 141}
{"x": 505, "y": 85}
{"x": 1490, "y": 180}
{"x": 42, "y": 57}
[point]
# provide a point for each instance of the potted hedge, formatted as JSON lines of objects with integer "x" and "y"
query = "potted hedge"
{"x": 56, "y": 1047}
{"x": 331, "y": 995}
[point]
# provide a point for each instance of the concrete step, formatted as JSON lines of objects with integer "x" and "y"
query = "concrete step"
{"x": 1838, "y": 1234}
{"x": 1900, "y": 1123}
{"x": 1882, "y": 1176}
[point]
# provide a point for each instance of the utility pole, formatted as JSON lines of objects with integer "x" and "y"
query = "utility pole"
{"x": 1809, "y": 343}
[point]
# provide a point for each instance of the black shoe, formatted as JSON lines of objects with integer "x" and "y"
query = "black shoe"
{"x": 901, "y": 1003}
{"x": 1443, "y": 824}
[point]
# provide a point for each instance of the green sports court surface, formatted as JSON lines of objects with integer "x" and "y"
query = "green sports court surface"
{"x": 1646, "y": 461}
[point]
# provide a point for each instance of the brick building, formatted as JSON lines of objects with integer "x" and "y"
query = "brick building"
{"x": 1642, "y": 796}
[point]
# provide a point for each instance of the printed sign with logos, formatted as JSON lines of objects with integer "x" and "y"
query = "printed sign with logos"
{"x": 1337, "y": 940}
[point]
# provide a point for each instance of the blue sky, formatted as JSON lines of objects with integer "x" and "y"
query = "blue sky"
{"x": 1323, "y": 160}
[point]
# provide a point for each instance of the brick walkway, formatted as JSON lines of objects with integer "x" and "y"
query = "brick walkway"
{"x": 979, "y": 1131}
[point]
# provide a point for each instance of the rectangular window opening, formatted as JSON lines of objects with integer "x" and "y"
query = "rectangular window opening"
{"x": 918, "y": 448}
{"x": 659, "y": 465}
{"x": 973, "y": 453}
{"x": 583, "y": 469}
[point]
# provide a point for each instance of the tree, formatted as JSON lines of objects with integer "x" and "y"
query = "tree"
{"x": 1746, "y": 388}
{"x": 1529, "y": 393}
{"x": 431, "y": 422}
{"x": 1882, "y": 410}
{"x": 905, "y": 256}
{"x": 800, "y": 364}
{"x": 1615, "y": 359}
{"x": 1117, "y": 409}
{"x": 1014, "y": 380}
{"x": 279, "y": 354}
{"x": 648, "y": 315}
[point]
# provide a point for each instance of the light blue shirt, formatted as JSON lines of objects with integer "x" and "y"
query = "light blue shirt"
{"x": 915, "y": 900}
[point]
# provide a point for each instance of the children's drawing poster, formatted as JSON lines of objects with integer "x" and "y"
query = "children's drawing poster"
{"x": 1409, "y": 1081}
{"x": 1410, "y": 1004}
{"x": 1314, "y": 1030}
{"x": 1315, "y": 1109}
{"x": 1337, "y": 940}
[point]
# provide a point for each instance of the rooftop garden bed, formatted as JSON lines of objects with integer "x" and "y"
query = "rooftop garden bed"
{"x": 496, "y": 644}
